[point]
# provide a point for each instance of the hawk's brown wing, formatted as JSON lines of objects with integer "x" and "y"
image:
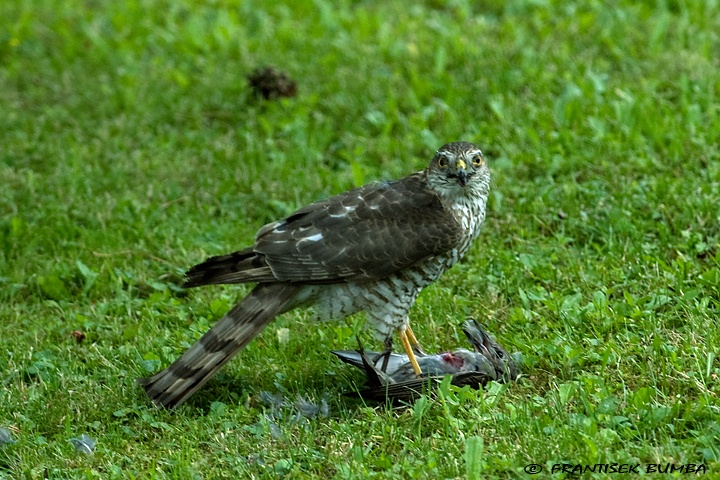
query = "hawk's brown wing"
{"x": 364, "y": 234}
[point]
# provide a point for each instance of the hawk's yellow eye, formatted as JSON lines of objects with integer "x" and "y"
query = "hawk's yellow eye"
{"x": 442, "y": 162}
{"x": 477, "y": 159}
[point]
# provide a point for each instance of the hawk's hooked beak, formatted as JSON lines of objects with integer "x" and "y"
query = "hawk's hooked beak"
{"x": 462, "y": 175}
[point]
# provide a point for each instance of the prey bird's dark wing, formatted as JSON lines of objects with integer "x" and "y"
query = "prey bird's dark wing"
{"x": 364, "y": 234}
{"x": 406, "y": 392}
{"x": 409, "y": 390}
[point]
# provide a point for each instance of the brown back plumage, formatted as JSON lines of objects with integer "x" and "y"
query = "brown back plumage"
{"x": 363, "y": 234}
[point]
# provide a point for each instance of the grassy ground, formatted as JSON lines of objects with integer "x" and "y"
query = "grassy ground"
{"x": 131, "y": 148}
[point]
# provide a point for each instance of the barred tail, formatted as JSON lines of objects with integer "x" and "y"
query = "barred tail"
{"x": 172, "y": 386}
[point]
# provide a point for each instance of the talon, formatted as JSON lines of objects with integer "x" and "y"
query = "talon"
{"x": 409, "y": 350}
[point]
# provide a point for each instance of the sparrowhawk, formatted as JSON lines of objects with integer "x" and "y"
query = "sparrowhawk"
{"x": 373, "y": 248}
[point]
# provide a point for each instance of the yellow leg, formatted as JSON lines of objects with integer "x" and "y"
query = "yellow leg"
{"x": 412, "y": 338}
{"x": 409, "y": 351}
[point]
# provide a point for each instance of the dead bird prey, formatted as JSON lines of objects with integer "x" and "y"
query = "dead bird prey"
{"x": 487, "y": 361}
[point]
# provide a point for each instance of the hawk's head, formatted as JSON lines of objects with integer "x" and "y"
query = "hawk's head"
{"x": 459, "y": 169}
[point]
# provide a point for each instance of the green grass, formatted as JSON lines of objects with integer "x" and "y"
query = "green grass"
{"x": 131, "y": 148}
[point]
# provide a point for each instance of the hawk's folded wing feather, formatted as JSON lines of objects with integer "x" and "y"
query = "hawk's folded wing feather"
{"x": 364, "y": 234}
